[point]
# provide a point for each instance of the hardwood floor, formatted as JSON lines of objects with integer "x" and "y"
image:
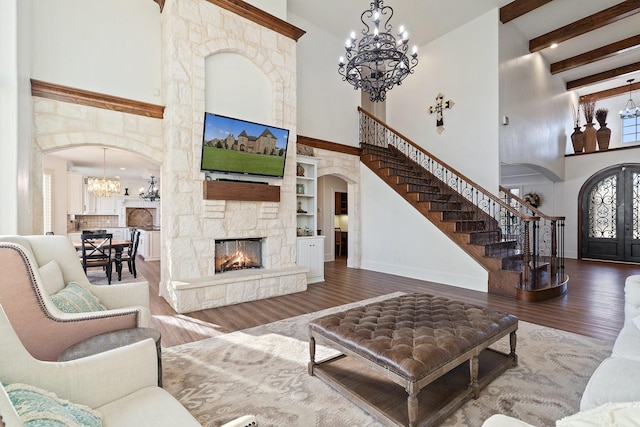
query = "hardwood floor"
{"x": 593, "y": 306}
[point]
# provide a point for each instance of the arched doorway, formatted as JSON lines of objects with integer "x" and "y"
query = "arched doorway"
{"x": 609, "y": 214}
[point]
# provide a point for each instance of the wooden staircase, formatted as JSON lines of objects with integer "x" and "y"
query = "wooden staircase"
{"x": 475, "y": 231}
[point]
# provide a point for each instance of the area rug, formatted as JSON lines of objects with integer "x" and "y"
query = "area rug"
{"x": 99, "y": 277}
{"x": 263, "y": 371}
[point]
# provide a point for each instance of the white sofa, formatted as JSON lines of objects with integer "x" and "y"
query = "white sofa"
{"x": 36, "y": 267}
{"x": 613, "y": 391}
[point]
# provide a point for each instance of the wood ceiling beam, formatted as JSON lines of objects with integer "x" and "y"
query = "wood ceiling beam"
{"x": 603, "y": 52}
{"x": 610, "y": 93}
{"x": 517, "y": 8}
{"x": 605, "y": 75}
{"x": 584, "y": 25}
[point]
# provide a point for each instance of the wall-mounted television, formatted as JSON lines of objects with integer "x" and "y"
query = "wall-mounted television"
{"x": 236, "y": 146}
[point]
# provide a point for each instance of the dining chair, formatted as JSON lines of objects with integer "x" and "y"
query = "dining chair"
{"x": 129, "y": 256}
{"x": 96, "y": 252}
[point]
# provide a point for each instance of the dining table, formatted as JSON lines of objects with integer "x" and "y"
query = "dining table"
{"x": 118, "y": 245}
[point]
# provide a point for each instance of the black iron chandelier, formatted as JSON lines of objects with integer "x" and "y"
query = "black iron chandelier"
{"x": 377, "y": 61}
{"x": 152, "y": 194}
{"x": 630, "y": 110}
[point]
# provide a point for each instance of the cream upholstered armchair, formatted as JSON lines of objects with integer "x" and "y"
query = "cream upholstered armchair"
{"x": 118, "y": 386}
{"x": 35, "y": 268}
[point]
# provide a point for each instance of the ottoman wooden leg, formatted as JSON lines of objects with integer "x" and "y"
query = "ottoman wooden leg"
{"x": 412, "y": 408}
{"x": 473, "y": 368}
{"x": 512, "y": 342}
{"x": 312, "y": 354}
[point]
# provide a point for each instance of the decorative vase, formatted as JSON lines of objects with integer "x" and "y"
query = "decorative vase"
{"x": 603, "y": 135}
{"x": 589, "y": 138}
{"x": 577, "y": 139}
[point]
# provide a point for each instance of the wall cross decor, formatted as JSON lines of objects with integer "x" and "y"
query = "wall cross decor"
{"x": 438, "y": 109}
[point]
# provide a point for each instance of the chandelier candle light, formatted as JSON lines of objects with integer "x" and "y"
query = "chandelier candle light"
{"x": 103, "y": 187}
{"x": 377, "y": 61}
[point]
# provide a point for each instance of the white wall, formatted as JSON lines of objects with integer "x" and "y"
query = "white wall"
{"x": 537, "y": 105}
{"x": 17, "y": 210}
{"x": 110, "y": 47}
{"x": 397, "y": 239}
{"x": 614, "y": 122}
{"x": 462, "y": 65}
{"x": 327, "y": 106}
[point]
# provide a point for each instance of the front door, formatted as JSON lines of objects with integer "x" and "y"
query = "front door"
{"x": 610, "y": 212}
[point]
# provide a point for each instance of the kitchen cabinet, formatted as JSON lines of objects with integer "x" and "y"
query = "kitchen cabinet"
{"x": 100, "y": 205}
{"x": 341, "y": 204}
{"x": 106, "y": 206}
{"x": 311, "y": 255}
{"x": 149, "y": 245}
{"x": 75, "y": 193}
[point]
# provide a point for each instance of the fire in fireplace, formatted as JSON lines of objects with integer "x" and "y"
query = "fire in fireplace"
{"x": 238, "y": 254}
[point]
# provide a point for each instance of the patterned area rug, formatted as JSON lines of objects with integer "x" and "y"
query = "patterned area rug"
{"x": 263, "y": 371}
{"x": 99, "y": 277}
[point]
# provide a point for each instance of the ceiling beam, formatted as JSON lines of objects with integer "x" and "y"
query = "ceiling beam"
{"x": 584, "y": 25}
{"x": 517, "y": 8}
{"x": 610, "y": 93}
{"x": 603, "y": 52}
{"x": 605, "y": 75}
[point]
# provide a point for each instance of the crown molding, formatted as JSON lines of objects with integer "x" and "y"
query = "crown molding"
{"x": 94, "y": 99}
{"x": 256, "y": 15}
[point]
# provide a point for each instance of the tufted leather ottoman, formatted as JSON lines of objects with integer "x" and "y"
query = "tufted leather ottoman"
{"x": 412, "y": 340}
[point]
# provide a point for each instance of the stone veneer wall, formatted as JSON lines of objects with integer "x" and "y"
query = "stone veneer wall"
{"x": 193, "y": 30}
{"x": 59, "y": 125}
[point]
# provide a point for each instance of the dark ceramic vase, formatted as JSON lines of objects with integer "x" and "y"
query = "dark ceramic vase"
{"x": 603, "y": 135}
{"x": 577, "y": 139}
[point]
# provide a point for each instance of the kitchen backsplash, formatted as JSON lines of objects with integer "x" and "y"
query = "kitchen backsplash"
{"x": 90, "y": 222}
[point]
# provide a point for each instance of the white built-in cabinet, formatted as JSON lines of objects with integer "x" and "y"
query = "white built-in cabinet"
{"x": 310, "y": 245}
{"x": 75, "y": 193}
{"x": 149, "y": 245}
{"x": 311, "y": 255}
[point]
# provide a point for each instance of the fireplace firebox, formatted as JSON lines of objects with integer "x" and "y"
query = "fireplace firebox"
{"x": 237, "y": 254}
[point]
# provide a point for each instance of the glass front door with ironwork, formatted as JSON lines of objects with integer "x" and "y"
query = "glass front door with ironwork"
{"x": 610, "y": 212}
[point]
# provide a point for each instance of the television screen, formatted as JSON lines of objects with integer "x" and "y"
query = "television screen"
{"x": 237, "y": 146}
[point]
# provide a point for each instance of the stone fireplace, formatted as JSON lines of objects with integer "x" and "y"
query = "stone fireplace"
{"x": 194, "y": 30}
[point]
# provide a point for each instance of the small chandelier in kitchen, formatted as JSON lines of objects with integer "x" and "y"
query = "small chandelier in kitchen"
{"x": 630, "y": 110}
{"x": 152, "y": 194}
{"x": 103, "y": 187}
{"x": 377, "y": 62}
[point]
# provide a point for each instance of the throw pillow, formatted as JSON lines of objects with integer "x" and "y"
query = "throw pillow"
{"x": 51, "y": 275}
{"x": 76, "y": 299}
{"x": 40, "y": 408}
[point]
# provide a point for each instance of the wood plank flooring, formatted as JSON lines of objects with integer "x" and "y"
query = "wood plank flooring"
{"x": 593, "y": 306}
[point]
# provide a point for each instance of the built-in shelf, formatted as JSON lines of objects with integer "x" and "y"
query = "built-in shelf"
{"x": 240, "y": 191}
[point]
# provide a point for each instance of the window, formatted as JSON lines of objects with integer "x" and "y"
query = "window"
{"x": 47, "y": 208}
{"x": 630, "y": 130}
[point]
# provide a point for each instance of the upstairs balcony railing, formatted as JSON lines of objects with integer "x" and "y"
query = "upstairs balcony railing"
{"x": 532, "y": 242}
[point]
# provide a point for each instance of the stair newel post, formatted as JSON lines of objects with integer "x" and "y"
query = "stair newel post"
{"x": 554, "y": 247}
{"x": 526, "y": 254}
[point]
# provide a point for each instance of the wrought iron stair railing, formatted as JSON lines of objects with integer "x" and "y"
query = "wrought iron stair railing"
{"x": 523, "y": 238}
